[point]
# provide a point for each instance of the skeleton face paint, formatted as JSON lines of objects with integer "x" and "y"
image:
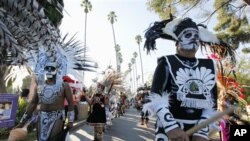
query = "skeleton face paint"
{"x": 189, "y": 39}
{"x": 50, "y": 70}
{"x": 99, "y": 88}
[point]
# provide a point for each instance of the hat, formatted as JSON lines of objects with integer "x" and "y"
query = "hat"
{"x": 170, "y": 29}
{"x": 175, "y": 27}
{"x": 186, "y": 23}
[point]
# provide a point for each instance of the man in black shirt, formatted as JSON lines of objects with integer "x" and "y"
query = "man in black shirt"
{"x": 183, "y": 91}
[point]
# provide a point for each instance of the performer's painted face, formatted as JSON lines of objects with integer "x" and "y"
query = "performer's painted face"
{"x": 50, "y": 70}
{"x": 100, "y": 88}
{"x": 189, "y": 39}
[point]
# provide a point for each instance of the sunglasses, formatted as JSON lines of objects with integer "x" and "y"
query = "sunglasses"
{"x": 49, "y": 68}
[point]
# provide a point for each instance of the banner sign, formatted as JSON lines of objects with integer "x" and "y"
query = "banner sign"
{"x": 8, "y": 109}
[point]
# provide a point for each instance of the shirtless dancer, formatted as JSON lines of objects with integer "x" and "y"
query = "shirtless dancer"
{"x": 50, "y": 94}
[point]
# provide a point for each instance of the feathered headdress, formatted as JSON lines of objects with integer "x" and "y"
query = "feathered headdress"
{"x": 32, "y": 39}
{"x": 112, "y": 80}
{"x": 230, "y": 90}
{"x": 171, "y": 28}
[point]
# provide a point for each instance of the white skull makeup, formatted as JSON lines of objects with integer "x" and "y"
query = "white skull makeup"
{"x": 189, "y": 39}
{"x": 50, "y": 69}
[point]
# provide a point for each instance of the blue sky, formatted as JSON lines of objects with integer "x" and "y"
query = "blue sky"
{"x": 133, "y": 18}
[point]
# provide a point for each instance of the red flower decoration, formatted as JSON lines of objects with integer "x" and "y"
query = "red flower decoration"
{"x": 242, "y": 96}
{"x": 213, "y": 56}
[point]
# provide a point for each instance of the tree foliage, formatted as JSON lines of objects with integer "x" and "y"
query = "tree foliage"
{"x": 242, "y": 73}
{"x": 233, "y": 23}
{"x": 53, "y": 9}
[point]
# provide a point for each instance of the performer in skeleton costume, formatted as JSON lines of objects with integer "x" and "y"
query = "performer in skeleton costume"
{"x": 50, "y": 95}
{"x": 113, "y": 84}
{"x": 100, "y": 101}
{"x": 37, "y": 48}
{"x": 183, "y": 91}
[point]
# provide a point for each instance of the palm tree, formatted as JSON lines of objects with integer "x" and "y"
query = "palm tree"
{"x": 87, "y": 8}
{"x": 54, "y": 10}
{"x": 130, "y": 76}
{"x": 54, "y": 13}
{"x": 119, "y": 56}
{"x": 136, "y": 75}
{"x": 112, "y": 18}
{"x": 120, "y": 59}
{"x": 138, "y": 39}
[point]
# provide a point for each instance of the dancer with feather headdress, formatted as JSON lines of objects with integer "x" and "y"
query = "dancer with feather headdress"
{"x": 100, "y": 116}
{"x": 34, "y": 42}
{"x": 183, "y": 91}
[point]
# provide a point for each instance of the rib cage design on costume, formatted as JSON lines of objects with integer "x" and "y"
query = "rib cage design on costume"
{"x": 194, "y": 84}
{"x": 31, "y": 38}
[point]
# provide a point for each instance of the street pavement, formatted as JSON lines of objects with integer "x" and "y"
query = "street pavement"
{"x": 124, "y": 128}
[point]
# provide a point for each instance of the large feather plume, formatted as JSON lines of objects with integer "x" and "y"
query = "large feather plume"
{"x": 31, "y": 38}
{"x": 157, "y": 101}
{"x": 112, "y": 80}
{"x": 165, "y": 29}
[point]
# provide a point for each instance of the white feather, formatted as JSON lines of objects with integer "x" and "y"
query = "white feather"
{"x": 207, "y": 36}
{"x": 171, "y": 27}
{"x": 157, "y": 101}
{"x": 38, "y": 40}
{"x": 16, "y": 75}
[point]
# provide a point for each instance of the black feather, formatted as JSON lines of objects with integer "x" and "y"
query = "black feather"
{"x": 154, "y": 32}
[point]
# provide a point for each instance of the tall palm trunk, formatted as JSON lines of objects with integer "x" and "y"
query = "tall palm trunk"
{"x": 130, "y": 80}
{"x": 136, "y": 74}
{"x": 135, "y": 83}
{"x": 138, "y": 39}
{"x": 134, "y": 77}
{"x": 86, "y": 4}
{"x": 85, "y": 44}
{"x": 116, "y": 56}
{"x": 141, "y": 65}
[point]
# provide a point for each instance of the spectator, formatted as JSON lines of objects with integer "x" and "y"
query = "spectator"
{"x": 75, "y": 101}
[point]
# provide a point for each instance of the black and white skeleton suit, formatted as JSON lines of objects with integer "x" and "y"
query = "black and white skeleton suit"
{"x": 183, "y": 92}
{"x": 191, "y": 88}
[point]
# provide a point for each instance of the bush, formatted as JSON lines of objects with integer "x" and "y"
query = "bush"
{"x": 4, "y": 132}
{"x": 22, "y": 104}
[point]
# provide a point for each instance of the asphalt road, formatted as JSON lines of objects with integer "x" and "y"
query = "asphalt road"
{"x": 124, "y": 128}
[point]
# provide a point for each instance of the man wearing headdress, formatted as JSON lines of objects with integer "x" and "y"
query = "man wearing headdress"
{"x": 36, "y": 44}
{"x": 97, "y": 117}
{"x": 183, "y": 92}
{"x": 50, "y": 94}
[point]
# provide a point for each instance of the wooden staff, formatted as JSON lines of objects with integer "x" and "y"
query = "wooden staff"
{"x": 208, "y": 121}
{"x": 18, "y": 134}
